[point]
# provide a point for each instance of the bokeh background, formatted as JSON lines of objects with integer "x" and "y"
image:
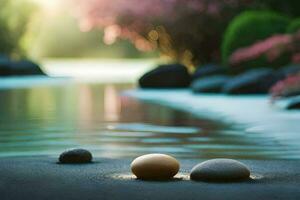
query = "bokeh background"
{"x": 50, "y": 29}
{"x": 193, "y": 32}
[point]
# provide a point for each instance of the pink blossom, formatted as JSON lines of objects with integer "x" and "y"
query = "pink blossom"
{"x": 140, "y": 15}
{"x": 272, "y": 47}
{"x": 254, "y": 51}
{"x": 181, "y": 25}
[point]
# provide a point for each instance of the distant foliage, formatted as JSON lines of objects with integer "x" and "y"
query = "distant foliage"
{"x": 288, "y": 7}
{"x": 47, "y": 29}
{"x": 14, "y": 18}
{"x": 294, "y": 26}
{"x": 186, "y": 30}
{"x": 6, "y": 45}
{"x": 5, "y": 41}
{"x": 248, "y": 28}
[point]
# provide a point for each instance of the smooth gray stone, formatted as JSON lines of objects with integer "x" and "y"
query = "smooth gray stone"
{"x": 76, "y": 156}
{"x": 254, "y": 81}
{"x": 220, "y": 170}
{"x": 212, "y": 84}
{"x": 207, "y": 70}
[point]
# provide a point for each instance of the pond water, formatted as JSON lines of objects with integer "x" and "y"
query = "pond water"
{"x": 46, "y": 120}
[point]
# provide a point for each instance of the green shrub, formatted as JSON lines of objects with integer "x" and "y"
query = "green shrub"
{"x": 248, "y": 28}
{"x": 294, "y": 26}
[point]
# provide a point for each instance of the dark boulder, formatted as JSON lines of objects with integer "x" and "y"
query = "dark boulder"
{"x": 287, "y": 70}
{"x": 18, "y": 68}
{"x": 212, "y": 84}
{"x": 166, "y": 76}
{"x": 25, "y": 67}
{"x": 4, "y": 65}
{"x": 208, "y": 70}
{"x": 256, "y": 81}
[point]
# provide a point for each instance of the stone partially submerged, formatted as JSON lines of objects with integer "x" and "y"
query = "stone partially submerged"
{"x": 294, "y": 104}
{"x": 25, "y": 67}
{"x": 166, "y": 76}
{"x": 212, "y": 84}
{"x": 209, "y": 70}
{"x": 256, "y": 81}
{"x": 75, "y": 156}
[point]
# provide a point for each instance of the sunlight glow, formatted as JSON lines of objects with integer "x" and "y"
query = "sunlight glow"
{"x": 47, "y": 4}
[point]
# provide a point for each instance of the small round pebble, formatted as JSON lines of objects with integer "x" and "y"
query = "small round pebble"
{"x": 155, "y": 167}
{"x": 76, "y": 156}
{"x": 220, "y": 170}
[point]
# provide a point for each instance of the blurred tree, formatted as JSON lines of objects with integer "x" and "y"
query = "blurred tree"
{"x": 186, "y": 30}
{"x": 6, "y": 45}
{"x": 57, "y": 35}
{"x": 14, "y": 18}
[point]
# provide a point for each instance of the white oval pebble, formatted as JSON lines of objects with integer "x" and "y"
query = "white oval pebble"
{"x": 220, "y": 170}
{"x": 155, "y": 166}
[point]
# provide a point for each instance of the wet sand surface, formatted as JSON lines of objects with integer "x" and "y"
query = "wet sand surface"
{"x": 42, "y": 178}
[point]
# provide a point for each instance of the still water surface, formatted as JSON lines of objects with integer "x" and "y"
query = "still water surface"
{"x": 46, "y": 120}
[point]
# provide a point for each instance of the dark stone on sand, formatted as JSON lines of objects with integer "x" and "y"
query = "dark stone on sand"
{"x": 212, "y": 84}
{"x": 208, "y": 70}
{"x": 226, "y": 170}
{"x": 76, "y": 156}
{"x": 256, "y": 81}
{"x": 166, "y": 76}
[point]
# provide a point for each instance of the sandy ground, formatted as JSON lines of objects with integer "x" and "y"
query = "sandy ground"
{"x": 42, "y": 178}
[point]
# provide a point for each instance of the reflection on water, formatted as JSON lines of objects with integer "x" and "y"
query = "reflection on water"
{"x": 47, "y": 120}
